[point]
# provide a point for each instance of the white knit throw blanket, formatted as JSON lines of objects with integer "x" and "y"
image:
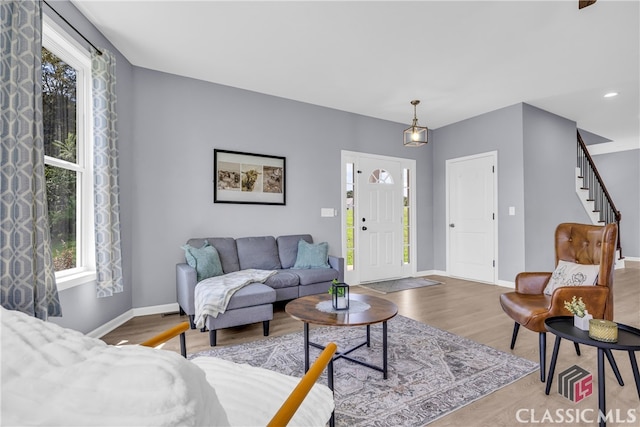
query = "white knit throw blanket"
{"x": 212, "y": 295}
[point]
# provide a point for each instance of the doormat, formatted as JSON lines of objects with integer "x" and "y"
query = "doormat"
{"x": 431, "y": 372}
{"x": 389, "y": 286}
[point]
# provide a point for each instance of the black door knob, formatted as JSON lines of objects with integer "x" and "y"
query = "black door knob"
{"x": 364, "y": 228}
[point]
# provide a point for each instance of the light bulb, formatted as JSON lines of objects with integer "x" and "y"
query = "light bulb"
{"x": 415, "y": 136}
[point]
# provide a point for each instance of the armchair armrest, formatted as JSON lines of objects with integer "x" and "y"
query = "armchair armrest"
{"x": 337, "y": 263}
{"x": 594, "y": 298}
{"x": 167, "y": 335}
{"x": 186, "y": 280}
{"x": 294, "y": 400}
{"x": 532, "y": 283}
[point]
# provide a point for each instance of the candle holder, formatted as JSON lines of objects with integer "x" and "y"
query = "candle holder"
{"x": 339, "y": 295}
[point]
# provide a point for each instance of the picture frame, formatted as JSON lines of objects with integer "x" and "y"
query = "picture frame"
{"x": 248, "y": 178}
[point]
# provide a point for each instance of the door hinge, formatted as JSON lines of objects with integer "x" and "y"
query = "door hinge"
{"x": 494, "y": 263}
{"x": 493, "y": 169}
{"x": 493, "y": 216}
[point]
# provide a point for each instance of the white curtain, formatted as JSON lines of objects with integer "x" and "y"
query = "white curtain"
{"x": 27, "y": 281}
{"x": 106, "y": 187}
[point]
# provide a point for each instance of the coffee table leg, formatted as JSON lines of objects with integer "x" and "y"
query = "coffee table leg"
{"x": 552, "y": 366}
{"x": 368, "y": 335}
{"x": 306, "y": 346}
{"x": 384, "y": 349}
{"x": 602, "y": 406}
{"x": 614, "y": 366}
{"x": 634, "y": 368}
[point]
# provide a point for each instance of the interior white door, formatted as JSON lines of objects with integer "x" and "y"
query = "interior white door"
{"x": 379, "y": 218}
{"x": 472, "y": 218}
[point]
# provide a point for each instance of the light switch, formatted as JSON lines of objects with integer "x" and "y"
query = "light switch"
{"x": 327, "y": 212}
{"x": 512, "y": 210}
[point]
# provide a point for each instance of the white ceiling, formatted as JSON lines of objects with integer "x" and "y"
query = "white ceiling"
{"x": 460, "y": 59}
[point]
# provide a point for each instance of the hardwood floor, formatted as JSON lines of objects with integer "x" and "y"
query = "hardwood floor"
{"x": 471, "y": 310}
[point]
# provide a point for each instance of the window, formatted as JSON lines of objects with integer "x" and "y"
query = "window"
{"x": 406, "y": 216}
{"x": 66, "y": 72}
{"x": 350, "y": 215}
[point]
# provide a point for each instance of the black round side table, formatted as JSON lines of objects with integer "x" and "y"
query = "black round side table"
{"x": 628, "y": 340}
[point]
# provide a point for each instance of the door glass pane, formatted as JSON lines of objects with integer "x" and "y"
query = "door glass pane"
{"x": 349, "y": 217}
{"x": 406, "y": 195}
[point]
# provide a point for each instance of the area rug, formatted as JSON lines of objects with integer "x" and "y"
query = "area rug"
{"x": 431, "y": 372}
{"x": 389, "y": 286}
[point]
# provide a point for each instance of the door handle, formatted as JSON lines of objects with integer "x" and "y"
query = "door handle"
{"x": 364, "y": 228}
{"x": 452, "y": 225}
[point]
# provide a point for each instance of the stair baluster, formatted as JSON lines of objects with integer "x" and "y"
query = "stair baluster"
{"x": 598, "y": 194}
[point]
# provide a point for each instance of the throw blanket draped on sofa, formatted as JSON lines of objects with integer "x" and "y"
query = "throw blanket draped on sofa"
{"x": 212, "y": 295}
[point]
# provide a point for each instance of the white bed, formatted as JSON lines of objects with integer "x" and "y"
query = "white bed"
{"x": 55, "y": 376}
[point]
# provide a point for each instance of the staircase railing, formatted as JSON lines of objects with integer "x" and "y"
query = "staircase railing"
{"x": 598, "y": 194}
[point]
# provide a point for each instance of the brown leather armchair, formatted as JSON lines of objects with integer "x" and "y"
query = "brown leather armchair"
{"x": 577, "y": 243}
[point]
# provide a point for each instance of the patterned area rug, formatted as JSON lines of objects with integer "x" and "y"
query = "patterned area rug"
{"x": 431, "y": 372}
{"x": 399, "y": 284}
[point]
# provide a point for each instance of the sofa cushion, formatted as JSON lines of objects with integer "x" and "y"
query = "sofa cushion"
{"x": 283, "y": 279}
{"x": 288, "y": 248}
{"x": 315, "y": 275}
{"x": 312, "y": 255}
{"x": 258, "y": 252}
{"x": 226, "y": 247}
{"x": 250, "y": 295}
{"x": 204, "y": 260}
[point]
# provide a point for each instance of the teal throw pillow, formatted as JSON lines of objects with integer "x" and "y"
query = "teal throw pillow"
{"x": 205, "y": 260}
{"x": 312, "y": 255}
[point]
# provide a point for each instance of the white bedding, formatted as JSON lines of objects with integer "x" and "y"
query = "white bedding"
{"x": 251, "y": 396}
{"x": 59, "y": 377}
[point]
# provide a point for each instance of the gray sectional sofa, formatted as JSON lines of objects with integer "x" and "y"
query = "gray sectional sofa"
{"x": 254, "y": 303}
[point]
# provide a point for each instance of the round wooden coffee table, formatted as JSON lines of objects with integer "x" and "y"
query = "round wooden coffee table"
{"x": 380, "y": 310}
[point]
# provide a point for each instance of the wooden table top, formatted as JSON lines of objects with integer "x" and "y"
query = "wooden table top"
{"x": 304, "y": 309}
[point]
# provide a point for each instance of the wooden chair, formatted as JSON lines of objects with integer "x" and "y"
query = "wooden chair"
{"x": 295, "y": 398}
{"x": 577, "y": 243}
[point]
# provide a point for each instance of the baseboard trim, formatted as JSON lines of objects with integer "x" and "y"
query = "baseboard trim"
{"x": 111, "y": 325}
{"x": 431, "y": 273}
{"x": 130, "y": 314}
{"x": 506, "y": 284}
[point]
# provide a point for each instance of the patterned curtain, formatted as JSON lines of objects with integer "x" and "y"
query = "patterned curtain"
{"x": 27, "y": 281}
{"x": 105, "y": 176}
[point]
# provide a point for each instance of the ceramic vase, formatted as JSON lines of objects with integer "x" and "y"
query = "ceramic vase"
{"x": 582, "y": 322}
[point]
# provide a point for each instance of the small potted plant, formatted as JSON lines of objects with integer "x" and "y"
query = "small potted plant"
{"x": 580, "y": 313}
{"x": 339, "y": 295}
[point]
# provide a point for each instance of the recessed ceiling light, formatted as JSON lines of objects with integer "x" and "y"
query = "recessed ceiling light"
{"x": 610, "y": 94}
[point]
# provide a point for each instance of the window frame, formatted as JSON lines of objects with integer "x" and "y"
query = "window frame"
{"x": 66, "y": 48}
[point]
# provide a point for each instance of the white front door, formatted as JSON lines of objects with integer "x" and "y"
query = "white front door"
{"x": 471, "y": 223}
{"x": 379, "y": 218}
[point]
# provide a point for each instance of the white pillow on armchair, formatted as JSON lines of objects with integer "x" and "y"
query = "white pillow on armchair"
{"x": 572, "y": 274}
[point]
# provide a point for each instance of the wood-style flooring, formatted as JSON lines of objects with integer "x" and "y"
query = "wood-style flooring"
{"x": 471, "y": 310}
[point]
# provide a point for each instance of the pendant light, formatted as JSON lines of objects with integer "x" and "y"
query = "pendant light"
{"x": 415, "y": 136}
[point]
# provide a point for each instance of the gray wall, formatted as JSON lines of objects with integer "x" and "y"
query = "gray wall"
{"x": 549, "y": 184}
{"x": 621, "y": 175}
{"x": 501, "y": 131}
{"x": 81, "y": 310}
{"x": 168, "y": 127}
{"x": 178, "y": 123}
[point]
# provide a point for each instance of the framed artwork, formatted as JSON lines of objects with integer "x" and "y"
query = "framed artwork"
{"x": 248, "y": 178}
